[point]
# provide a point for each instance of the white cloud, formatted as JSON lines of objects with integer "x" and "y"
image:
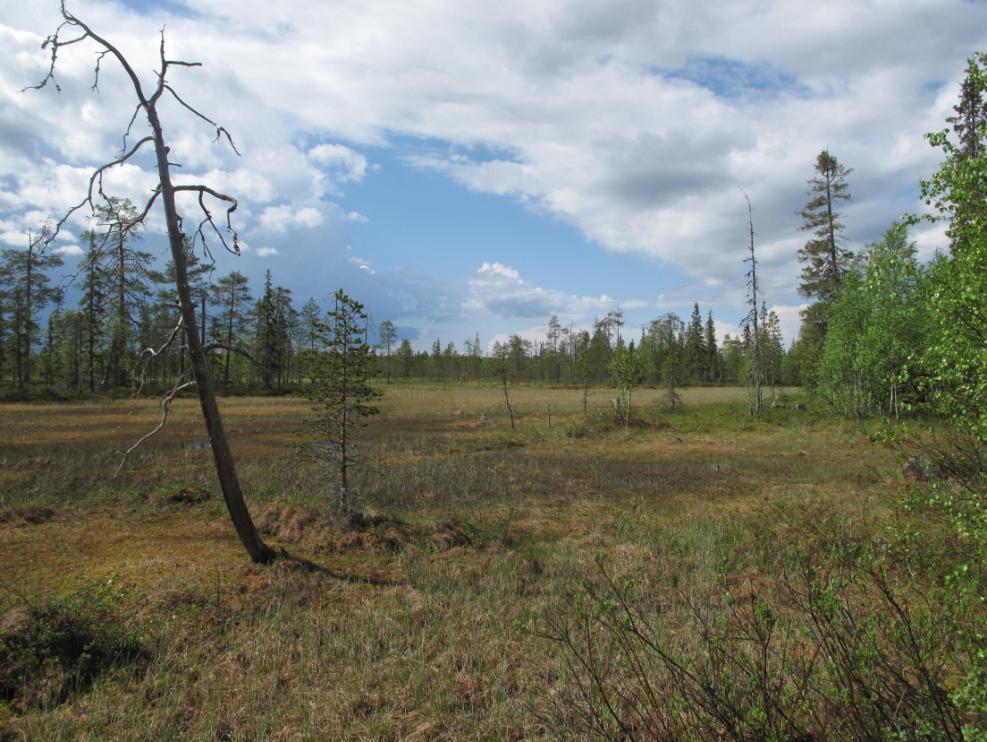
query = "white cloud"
{"x": 362, "y": 264}
{"x": 280, "y": 218}
{"x": 345, "y": 164}
{"x": 308, "y": 217}
{"x": 636, "y": 122}
{"x": 356, "y": 216}
{"x": 264, "y": 252}
{"x": 498, "y": 288}
{"x": 71, "y": 250}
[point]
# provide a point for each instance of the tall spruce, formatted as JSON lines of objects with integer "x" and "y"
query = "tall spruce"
{"x": 824, "y": 261}
{"x": 695, "y": 350}
{"x": 753, "y": 288}
{"x": 712, "y": 353}
{"x": 964, "y": 158}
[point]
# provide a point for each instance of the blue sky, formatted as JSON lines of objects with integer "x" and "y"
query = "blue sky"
{"x": 465, "y": 168}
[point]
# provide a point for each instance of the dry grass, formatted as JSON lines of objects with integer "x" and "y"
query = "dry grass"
{"x": 423, "y": 641}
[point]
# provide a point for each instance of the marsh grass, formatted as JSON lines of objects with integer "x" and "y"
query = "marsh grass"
{"x": 429, "y": 641}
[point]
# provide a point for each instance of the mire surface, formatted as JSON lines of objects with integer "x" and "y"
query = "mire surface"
{"x": 406, "y": 634}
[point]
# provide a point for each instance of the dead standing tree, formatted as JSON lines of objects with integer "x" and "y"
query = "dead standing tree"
{"x": 752, "y": 287}
{"x": 74, "y": 31}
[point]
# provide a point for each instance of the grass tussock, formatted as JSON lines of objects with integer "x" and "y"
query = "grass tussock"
{"x": 57, "y": 647}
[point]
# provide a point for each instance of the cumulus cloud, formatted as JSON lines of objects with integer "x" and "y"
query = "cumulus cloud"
{"x": 281, "y": 218}
{"x": 345, "y": 164}
{"x": 635, "y": 122}
{"x": 264, "y": 252}
{"x": 70, "y": 250}
{"x": 499, "y": 289}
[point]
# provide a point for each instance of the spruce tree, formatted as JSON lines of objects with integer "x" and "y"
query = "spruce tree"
{"x": 712, "y": 354}
{"x": 824, "y": 261}
{"x": 695, "y": 350}
{"x": 969, "y": 126}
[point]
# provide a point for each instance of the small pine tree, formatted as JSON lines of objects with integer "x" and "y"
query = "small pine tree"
{"x": 341, "y": 389}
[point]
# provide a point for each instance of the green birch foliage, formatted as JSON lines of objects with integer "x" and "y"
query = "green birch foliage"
{"x": 627, "y": 369}
{"x": 955, "y": 359}
{"x": 877, "y": 327}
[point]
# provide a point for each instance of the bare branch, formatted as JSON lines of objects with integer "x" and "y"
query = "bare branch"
{"x": 165, "y": 405}
{"x": 149, "y": 354}
{"x": 130, "y": 125}
{"x": 238, "y": 349}
{"x": 55, "y": 43}
{"x": 96, "y": 180}
{"x": 202, "y": 191}
{"x": 220, "y": 130}
{"x": 99, "y": 59}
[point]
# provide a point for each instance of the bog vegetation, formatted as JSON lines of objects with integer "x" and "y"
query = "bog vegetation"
{"x": 593, "y": 536}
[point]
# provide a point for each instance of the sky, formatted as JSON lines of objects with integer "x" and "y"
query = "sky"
{"x": 469, "y": 168}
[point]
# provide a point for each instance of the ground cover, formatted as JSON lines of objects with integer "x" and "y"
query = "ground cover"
{"x": 427, "y": 623}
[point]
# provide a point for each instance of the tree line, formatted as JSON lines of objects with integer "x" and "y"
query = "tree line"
{"x": 127, "y": 307}
{"x": 886, "y": 333}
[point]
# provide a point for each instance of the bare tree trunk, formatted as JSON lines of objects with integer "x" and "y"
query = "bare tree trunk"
{"x": 507, "y": 400}
{"x": 222, "y": 455}
{"x": 758, "y": 404}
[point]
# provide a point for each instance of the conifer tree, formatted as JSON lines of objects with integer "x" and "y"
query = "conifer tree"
{"x": 386, "y": 335}
{"x": 126, "y": 273}
{"x": 824, "y": 261}
{"x": 695, "y": 351}
{"x": 23, "y": 272}
{"x": 231, "y": 294}
{"x": 965, "y": 157}
{"x": 712, "y": 353}
{"x": 341, "y": 390}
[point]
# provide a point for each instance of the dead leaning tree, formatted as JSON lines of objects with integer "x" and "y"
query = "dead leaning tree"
{"x": 74, "y": 31}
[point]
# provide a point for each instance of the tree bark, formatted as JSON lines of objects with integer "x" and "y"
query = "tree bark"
{"x": 222, "y": 455}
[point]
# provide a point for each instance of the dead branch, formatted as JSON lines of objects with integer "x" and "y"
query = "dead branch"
{"x": 238, "y": 349}
{"x": 166, "y": 190}
{"x": 202, "y": 190}
{"x": 165, "y": 405}
{"x": 220, "y": 130}
{"x": 149, "y": 354}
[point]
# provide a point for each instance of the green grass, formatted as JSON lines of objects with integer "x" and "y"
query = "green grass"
{"x": 426, "y": 643}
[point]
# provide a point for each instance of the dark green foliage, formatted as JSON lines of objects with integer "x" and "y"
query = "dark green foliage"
{"x": 52, "y": 648}
{"x": 340, "y": 387}
{"x": 824, "y": 261}
{"x": 24, "y": 292}
{"x": 231, "y": 295}
{"x": 955, "y": 360}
